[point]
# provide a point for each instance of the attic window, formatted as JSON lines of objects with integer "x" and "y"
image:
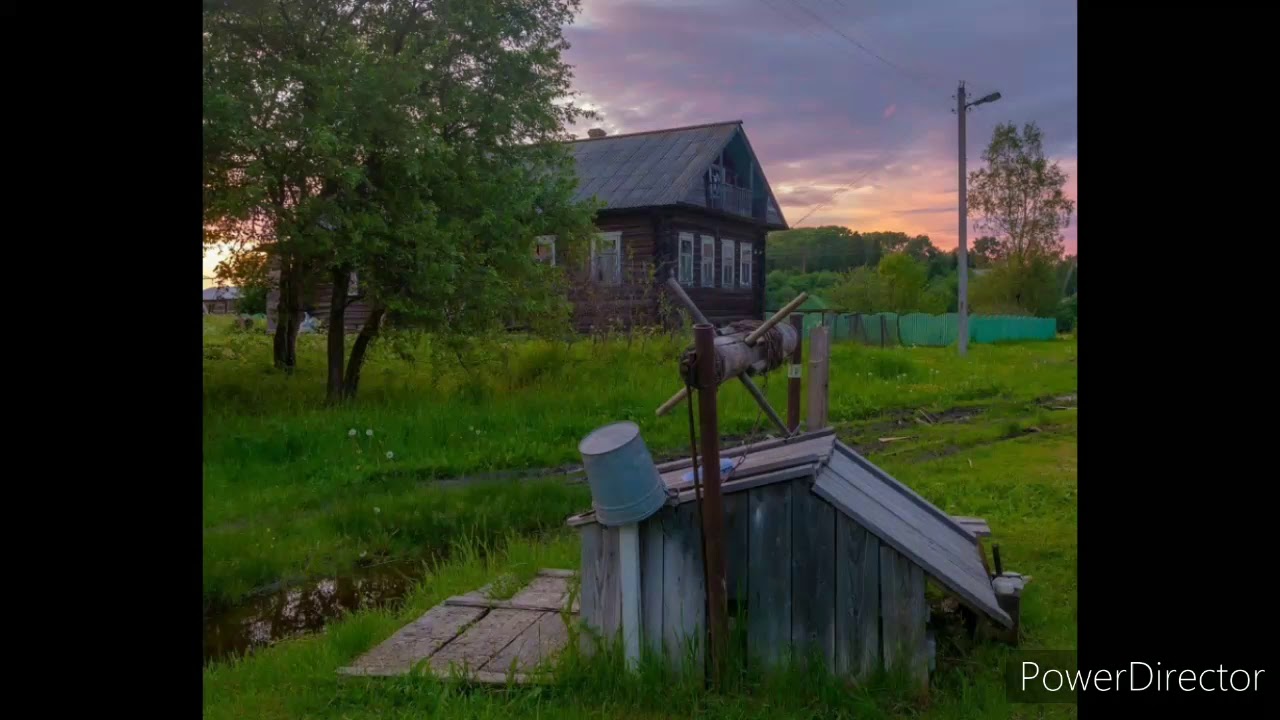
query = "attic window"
{"x": 685, "y": 266}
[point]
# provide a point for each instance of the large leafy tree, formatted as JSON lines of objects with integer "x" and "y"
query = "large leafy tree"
{"x": 414, "y": 144}
{"x": 1019, "y": 196}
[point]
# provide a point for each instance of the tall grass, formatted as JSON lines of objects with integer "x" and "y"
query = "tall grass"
{"x": 288, "y": 493}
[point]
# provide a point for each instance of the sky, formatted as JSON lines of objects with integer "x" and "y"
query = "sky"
{"x": 847, "y": 103}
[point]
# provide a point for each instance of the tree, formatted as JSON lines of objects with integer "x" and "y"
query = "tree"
{"x": 986, "y": 250}
{"x": 412, "y": 143}
{"x": 1019, "y": 196}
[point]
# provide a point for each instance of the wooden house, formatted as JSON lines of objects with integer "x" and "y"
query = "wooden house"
{"x": 825, "y": 554}
{"x": 690, "y": 201}
{"x": 221, "y": 300}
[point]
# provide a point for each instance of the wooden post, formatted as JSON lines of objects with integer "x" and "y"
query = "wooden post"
{"x": 704, "y": 336}
{"x": 793, "y": 376}
{"x": 629, "y": 576}
{"x": 819, "y": 353}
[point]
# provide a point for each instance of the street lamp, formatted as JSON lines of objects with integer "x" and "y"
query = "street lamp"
{"x": 962, "y": 255}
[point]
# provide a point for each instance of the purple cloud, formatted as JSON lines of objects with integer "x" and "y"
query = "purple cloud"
{"x": 822, "y": 112}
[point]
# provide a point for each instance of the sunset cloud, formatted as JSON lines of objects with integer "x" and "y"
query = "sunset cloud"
{"x": 823, "y": 114}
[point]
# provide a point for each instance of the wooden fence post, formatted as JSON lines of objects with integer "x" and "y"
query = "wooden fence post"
{"x": 819, "y": 356}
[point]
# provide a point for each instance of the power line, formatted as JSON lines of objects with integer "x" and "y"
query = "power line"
{"x": 858, "y": 44}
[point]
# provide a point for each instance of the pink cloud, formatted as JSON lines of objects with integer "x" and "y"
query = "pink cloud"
{"x": 889, "y": 111}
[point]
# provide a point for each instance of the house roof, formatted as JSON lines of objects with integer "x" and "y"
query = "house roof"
{"x": 943, "y": 547}
{"x": 221, "y": 293}
{"x": 648, "y": 169}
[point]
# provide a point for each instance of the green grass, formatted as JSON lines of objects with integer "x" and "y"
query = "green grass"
{"x": 1024, "y": 485}
{"x": 288, "y": 494}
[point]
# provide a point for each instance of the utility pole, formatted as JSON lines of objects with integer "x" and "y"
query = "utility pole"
{"x": 962, "y": 252}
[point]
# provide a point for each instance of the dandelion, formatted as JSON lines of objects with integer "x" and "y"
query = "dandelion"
{"x": 390, "y": 455}
{"x": 351, "y": 432}
{"x": 377, "y": 510}
{"x": 369, "y": 432}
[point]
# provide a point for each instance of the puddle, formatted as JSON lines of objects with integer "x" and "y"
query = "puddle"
{"x": 264, "y": 619}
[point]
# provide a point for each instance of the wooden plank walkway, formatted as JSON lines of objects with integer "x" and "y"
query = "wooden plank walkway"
{"x": 478, "y": 638}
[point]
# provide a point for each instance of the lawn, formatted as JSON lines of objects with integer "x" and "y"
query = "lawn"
{"x": 1013, "y": 463}
{"x": 291, "y": 492}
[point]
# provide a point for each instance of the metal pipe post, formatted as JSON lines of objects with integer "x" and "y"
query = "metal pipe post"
{"x": 704, "y": 337}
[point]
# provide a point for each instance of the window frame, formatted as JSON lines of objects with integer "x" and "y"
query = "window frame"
{"x": 708, "y": 264}
{"x": 728, "y": 259}
{"x": 746, "y": 263}
{"x": 549, "y": 241}
{"x": 681, "y": 256}
{"x": 615, "y": 237}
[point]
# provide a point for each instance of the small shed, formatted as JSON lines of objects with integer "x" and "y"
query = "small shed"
{"x": 825, "y": 553}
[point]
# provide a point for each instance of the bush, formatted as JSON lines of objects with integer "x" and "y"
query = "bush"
{"x": 1066, "y": 314}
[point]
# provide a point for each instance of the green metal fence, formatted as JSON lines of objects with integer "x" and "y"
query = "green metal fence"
{"x": 886, "y": 329}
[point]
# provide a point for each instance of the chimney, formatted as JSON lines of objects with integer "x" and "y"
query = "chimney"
{"x": 595, "y": 133}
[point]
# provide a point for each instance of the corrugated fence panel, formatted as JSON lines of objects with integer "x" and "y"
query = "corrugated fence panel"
{"x": 919, "y": 329}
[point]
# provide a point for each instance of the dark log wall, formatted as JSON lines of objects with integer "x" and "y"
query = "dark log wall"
{"x": 719, "y": 303}
{"x": 598, "y": 306}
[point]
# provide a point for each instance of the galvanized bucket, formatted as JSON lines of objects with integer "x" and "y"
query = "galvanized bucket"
{"x": 625, "y": 484}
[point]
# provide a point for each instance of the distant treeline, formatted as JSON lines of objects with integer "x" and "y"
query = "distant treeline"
{"x": 894, "y": 272}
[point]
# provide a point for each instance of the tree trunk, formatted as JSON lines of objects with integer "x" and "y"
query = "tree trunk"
{"x": 366, "y": 337}
{"x": 285, "y": 342}
{"x": 341, "y": 279}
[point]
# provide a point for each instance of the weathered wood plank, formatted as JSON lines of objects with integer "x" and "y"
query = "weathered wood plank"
{"x": 589, "y": 586}
{"x": 479, "y": 643}
{"x": 846, "y": 452}
{"x": 857, "y": 644}
{"x": 752, "y": 448}
{"x": 954, "y": 570}
{"x": 469, "y": 601}
{"x": 769, "y": 576}
{"x": 610, "y": 585}
{"x": 543, "y": 592}
{"x": 813, "y": 574}
{"x": 904, "y": 643}
{"x": 651, "y": 581}
{"x": 683, "y": 586}
{"x": 414, "y": 642}
{"x": 947, "y": 536}
{"x": 541, "y": 641}
{"x": 737, "y": 522}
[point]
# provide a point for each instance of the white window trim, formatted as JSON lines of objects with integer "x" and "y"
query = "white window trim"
{"x": 728, "y": 258}
{"x": 708, "y": 260}
{"x": 745, "y": 264}
{"x": 615, "y": 238}
{"x": 682, "y": 238}
{"x": 353, "y": 288}
{"x": 549, "y": 240}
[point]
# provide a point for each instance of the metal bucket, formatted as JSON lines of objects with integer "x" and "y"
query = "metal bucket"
{"x": 625, "y": 484}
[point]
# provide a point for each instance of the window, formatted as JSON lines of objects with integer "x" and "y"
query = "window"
{"x": 544, "y": 249}
{"x": 684, "y": 269}
{"x": 354, "y": 287}
{"x": 727, "y": 256}
{"x": 606, "y": 258}
{"x": 744, "y": 264}
{"x": 708, "y": 261}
